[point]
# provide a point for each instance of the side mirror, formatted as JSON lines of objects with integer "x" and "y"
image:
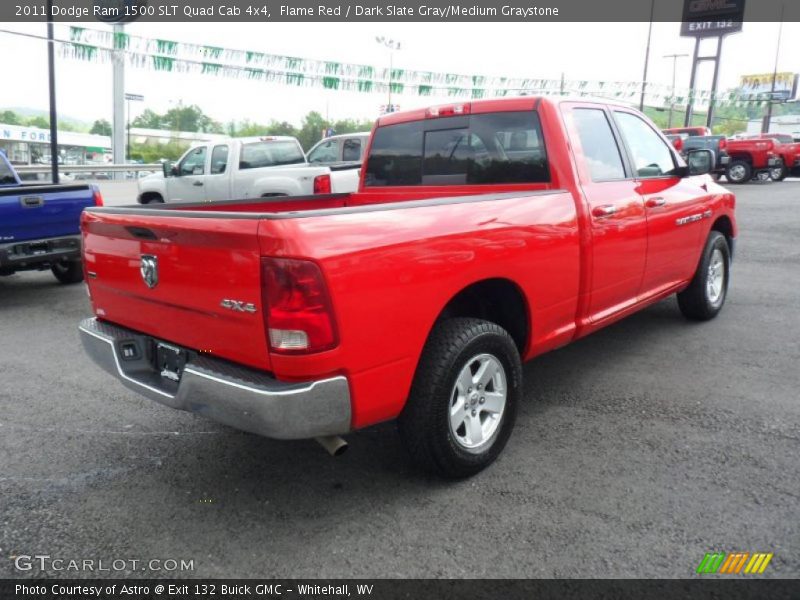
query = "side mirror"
{"x": 701, "y": 162}
{"x": 167, "y": 168}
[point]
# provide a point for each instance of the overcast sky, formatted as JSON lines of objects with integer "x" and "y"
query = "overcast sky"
{"x": 596, "y": 51}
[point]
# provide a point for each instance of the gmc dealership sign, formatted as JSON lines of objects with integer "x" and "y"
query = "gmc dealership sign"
{"x": 702, "y": 18}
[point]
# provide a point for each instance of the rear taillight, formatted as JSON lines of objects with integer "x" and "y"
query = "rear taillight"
{"x": 322, "y": 184}
{"x": 98, "y": 197}
{"x": 297, "y": 309}
{"x": 723, "y": 143}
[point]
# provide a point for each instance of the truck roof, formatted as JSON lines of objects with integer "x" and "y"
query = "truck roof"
{"x": 490, "y": 105}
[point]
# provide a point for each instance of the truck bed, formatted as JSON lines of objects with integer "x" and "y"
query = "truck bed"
{"x": 391, "y": 262}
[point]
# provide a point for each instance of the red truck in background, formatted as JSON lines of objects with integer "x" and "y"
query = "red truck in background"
{"x": 751, "y": 158}
{"x": 789, "y": 152}
{"x": 482, "y": 235}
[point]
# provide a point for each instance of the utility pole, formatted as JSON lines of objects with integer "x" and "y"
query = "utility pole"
{"x": 647, "y": 55}
{"x": 765, "y": 124}
{"x": 674, "y": 58}
{"x": 51, "y": 65}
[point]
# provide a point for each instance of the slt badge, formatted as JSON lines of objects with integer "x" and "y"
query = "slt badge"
{"x": 148, "y": 267}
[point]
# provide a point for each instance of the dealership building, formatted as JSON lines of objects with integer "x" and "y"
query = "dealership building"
{"x": 25, "y": 145}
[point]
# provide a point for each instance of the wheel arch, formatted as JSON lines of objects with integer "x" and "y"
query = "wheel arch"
{"x": 499, "y": 300}
{"x": 145, "y": 197}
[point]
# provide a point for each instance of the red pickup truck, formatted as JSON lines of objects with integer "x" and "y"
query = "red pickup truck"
{"x": 752, "y": 158}
{"x": 482, "y": 235}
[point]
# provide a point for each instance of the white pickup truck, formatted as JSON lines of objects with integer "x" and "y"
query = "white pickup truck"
{"x": 245, "y": 168}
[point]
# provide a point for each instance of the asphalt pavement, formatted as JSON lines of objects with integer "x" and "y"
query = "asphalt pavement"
{"x": 636, "y": 451}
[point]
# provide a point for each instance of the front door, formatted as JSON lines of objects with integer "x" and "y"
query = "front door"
{"x": 188, "y": 185}
{"x": 676, "y": 207}
{"x": 616, "y": 212}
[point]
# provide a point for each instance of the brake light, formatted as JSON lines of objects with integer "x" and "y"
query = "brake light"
{"x": 297, "y": 309}
{"x": 447, "y": 111}
{"x": 322, "y": 184}
{"x": 723, "y": 143}
{"x": 98, "y": 197}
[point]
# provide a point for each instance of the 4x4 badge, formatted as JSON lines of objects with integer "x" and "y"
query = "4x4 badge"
{"x": 148, "y": 267}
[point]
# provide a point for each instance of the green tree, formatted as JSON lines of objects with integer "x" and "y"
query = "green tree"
{"x": 9, "y": 117}
{"x": 311, "y": 130}
{"x": 101, "y": 127}
{"x": 40, "y": 122}
{"x": 148, "y": 120}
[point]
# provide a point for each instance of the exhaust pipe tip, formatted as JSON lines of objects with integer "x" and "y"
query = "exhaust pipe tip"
{"x": 333, "y": 444}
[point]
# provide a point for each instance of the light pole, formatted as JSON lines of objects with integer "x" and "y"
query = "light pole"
{"x": 766, "y": 122}
{"x": 674, "y": 58}
{"x": 393, "y": 46}
{"x": 131, "y": 98}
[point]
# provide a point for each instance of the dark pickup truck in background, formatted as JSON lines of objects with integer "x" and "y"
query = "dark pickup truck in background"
{"x": 40, "y": 225}
{"x": 716, "y": 143}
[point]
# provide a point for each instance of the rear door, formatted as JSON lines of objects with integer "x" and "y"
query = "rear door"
{"x": 617, "y": 216}
{"x": 218, "y": 180}
{"x": 188, "y": 185}
{"x": 676, "y": 207}
{"x": 38, "y": 212}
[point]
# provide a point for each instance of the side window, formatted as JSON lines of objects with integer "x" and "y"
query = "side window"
{"x": 326, "y": 152}
{"x": 219, "y": 160}
{"x": 6, "y": 174}
{"x": 600, "y": 149}
{"x": 351, "y": 150}
{"x": 194, "y": 163}
{"x": 651, "y": 155}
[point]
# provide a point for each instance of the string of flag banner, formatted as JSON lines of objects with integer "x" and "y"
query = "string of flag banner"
{"x": 162, "y": 55}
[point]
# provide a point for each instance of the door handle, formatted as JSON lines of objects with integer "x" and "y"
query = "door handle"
{"x": 198, "y": 184}
{"x": 603, "y": 212}
{"x": 655, "y": 202}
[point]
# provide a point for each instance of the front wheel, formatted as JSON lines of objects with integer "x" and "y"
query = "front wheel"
{"x": 68, "y": 272}
{"x": 463, "y": 400}
{"x": 706, "y": 294}
{"x": 739, "y": 171}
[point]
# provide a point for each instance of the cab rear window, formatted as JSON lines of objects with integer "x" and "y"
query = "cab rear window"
{"x": 491, "y": 148}
{"x": 270, "y": 154}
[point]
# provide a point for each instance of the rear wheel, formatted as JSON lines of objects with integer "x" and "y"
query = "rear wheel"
{"x": 68, "y": 272}
{"x": 463, "y": 400}
{"x": 706, "y": 294}
{"x": 739, "y": 171}
{"x": 778, "y": 173}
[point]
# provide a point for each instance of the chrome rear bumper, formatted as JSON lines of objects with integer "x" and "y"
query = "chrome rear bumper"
{"x": 221, "y": 391}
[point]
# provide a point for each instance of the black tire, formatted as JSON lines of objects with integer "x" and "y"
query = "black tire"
{"x": 68, "y": 272}
{"x": 778, "y": 173}
{"x": 696, "y": 301}
{"x": 152, "y": 199}
{"x": 425, "y": 423}
{"x": 742, "y": 172}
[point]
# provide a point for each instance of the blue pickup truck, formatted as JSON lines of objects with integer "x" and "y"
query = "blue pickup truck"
{"x": 40, "y": 225}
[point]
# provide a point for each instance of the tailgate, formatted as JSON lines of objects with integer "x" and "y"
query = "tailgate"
{"x": 38, "y": 212}
{"x": 190, "y": 280}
